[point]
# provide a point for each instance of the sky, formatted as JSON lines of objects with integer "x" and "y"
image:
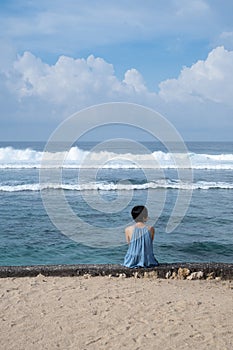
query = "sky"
{"x": 174, "y": 56}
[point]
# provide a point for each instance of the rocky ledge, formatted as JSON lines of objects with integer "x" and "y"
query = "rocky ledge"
{"x": 189, "y": 271}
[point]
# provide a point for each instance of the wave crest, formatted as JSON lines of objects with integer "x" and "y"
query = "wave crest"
{"x": 111, "y": 186}
{"x": 11, "y": 158}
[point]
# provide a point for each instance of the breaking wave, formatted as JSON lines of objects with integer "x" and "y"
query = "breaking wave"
{"x": 111, "y": 186}
{"x": 76, "y": 158}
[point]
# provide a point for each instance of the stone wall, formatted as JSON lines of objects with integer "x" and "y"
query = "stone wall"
{"x": 169, "y": 271}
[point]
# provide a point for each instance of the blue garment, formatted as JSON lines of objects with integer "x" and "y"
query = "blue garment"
{"x": 140, "y": 251}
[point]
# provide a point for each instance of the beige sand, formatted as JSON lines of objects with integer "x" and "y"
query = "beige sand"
{"x": 115, "y": 313}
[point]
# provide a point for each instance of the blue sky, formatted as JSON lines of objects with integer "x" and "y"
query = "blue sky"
{"x": 58, "y": 57}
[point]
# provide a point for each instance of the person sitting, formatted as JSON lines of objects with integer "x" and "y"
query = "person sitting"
{"x": 140, "y": 239}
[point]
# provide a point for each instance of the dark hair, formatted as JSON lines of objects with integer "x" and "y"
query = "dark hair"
{"x": 139, "y": 212}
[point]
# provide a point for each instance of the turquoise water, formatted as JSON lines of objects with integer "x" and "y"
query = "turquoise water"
{"x": 29, "y": 237}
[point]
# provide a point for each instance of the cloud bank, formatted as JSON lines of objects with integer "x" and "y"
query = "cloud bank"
{"x": 205, "y": 80}
{"x": 76, "y": 83}
{"x": 46, "y": 92}
{"x": 81, "y": 82}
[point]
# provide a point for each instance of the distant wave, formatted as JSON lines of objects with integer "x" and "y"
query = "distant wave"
{"x": 11, "y": 158}
{"x": 103, "y": 186}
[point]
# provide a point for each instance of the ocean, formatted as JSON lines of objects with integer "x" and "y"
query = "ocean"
{"x": 100, "y": 200}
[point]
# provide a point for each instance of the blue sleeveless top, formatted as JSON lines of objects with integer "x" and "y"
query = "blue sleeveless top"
{"x": 140, "y": 251}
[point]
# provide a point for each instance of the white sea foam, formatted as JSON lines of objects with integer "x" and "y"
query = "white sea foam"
{"x": 27, "y": 158}
{"x": 103, "y": 186}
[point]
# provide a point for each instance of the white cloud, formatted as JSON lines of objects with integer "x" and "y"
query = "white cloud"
{"x": 205, "y": 80}
{"x": 135, "y": 80}
{"x": 198, "y": 102}
{"x": 76, "y": 83}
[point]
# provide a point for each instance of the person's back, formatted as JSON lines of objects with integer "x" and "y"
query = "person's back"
{"x": 140, "y": 240}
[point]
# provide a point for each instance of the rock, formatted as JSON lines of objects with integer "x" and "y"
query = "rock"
{"x": 150, "y": 274}
{"x": 168, "y": 274}
{"x": 174, "y": 276}
{"x": 41, "y": 278}
{"x": 196, "y": 275}
{"x": 210, "y": 276}
{"x": 218, "y": 278}
{"x": 183, "y": 273}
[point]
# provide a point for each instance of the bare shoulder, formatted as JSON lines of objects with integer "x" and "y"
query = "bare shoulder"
{"x": 129, "y": 229}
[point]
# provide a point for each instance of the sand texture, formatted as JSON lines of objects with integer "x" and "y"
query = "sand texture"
{"x": 115, "y": 313}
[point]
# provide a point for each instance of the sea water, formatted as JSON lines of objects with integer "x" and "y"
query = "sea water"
{"x": 29, "y": 236}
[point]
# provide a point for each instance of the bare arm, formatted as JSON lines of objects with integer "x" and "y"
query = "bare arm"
{"x": 152, "y": 232}
{"x": 128, "y": 234}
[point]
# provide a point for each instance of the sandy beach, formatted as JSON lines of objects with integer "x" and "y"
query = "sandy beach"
{"x": 115, "y": 313}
